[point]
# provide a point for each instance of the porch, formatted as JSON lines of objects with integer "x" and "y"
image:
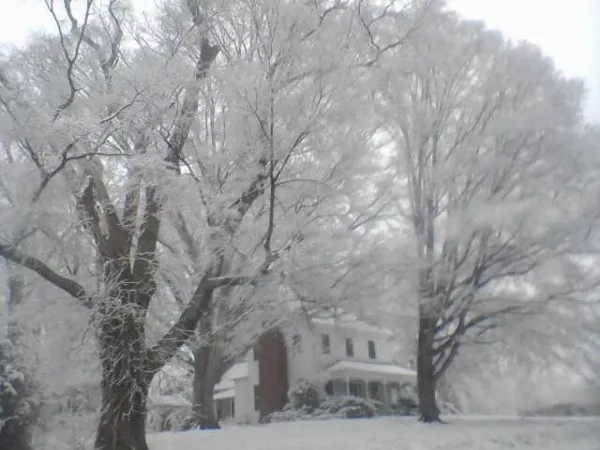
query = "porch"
{"x": 385, "y": 383}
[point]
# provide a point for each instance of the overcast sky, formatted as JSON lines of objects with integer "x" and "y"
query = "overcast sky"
{"x": 567, "y": 30}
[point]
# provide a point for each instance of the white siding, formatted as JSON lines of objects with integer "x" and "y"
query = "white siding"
{"x": 308, "y": 362}
{"x": 244, "y": 402}
{"x": 311, "y": 360}
{"x": 301, "y": 363}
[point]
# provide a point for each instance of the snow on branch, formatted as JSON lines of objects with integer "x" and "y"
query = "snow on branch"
{"x": 68, "y": 285}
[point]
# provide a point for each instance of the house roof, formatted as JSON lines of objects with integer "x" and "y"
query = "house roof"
{"x": 373, "y": 368}
{"x": 227, "y": 393}
{"x": 236, "y": 372}
{"x": 344, "y": 319}
{"x": 351, "y": 321}
{"x": 224, "y": 385}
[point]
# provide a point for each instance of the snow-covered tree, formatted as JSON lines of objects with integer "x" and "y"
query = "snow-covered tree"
{"x": 139, "y": 145}
{"x": 487, "y": 151}
{"x": 287, "y": 84}
{"x": 19, "y": 393}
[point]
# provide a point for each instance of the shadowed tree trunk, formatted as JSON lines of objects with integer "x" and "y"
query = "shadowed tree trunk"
{"x": 122, "y": 423}
{"x": 204, "y": 383}
{"x": 209, "y": 360}
{"x": 209, "y": 367}
{"x": 434, "y": 356}
{"x": 125, "y": 376}
{"x": 426, "y": 376}
{"x": 428, "y": 313}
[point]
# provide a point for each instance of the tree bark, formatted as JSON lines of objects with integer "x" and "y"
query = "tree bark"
{"x": 205, "y": 407}
{"x": 426, "y": 377}
{"x": 209, "y": 421}
{"x": 122, "y": 423}
{"x": 125, "y": 382}
{"x": 206, "y": 375}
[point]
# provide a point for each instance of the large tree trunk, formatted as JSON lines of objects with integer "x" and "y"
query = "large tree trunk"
{"x": 204, "y": 405}
{"x": 206, "y": 411}
{"x": 426, "y": 378}
{"x": 123, "y": 418}
{"x": 125, "y": 383}
{"x": 205, "y": 379}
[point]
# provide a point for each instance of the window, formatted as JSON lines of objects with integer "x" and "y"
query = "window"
{"x": 297, "y": 343}
{"x": 372, "y": 352}
{"x": 376, "y": 391}
{"x": 256, "y": 352}
{"x": 357, "y": 389}
{"x": 349, "y": 348}
{"x": 325, "y": 344}
{"x": 225, "y": 409}
{"x": 329, "y": 388}
{"x": 257, "y": 398}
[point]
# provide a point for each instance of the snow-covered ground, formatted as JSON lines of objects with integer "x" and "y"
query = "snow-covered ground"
{"x": 461, "y": 433}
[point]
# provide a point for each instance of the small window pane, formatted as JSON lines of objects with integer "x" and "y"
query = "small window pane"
{"x": 372, "y": 352}
{"x": 357, "y": 389}
{"x": 349, "y": 348}
{"x": 326, "y": 344}
{"x": 329, "y": 388}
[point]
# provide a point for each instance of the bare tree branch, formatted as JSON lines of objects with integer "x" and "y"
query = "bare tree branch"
{"x": 150, "y": 229}
{"x": 71, "y": 60}
{"x": 71, "y": 287}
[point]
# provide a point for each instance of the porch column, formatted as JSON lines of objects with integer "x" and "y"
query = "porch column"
{"x": 386, "y": 397}
{"x": 347, "y": 381}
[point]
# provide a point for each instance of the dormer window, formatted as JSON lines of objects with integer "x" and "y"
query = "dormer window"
{"x": 325, "y": 344}
{"x": 372, "y": 351}
{"x": 349, "y": 348}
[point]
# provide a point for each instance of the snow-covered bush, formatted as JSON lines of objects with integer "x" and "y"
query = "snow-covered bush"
{"x": 352, "y": 407}
{"x": 304, "y": 394}
{"x": 328, "y": 408}
{"x": 305, "y": 403}
{"x": 170, "y": 418}
{"x": 169, "y": 400}
{"x": 172, "y": 412}
{"x": 19, "y": 405}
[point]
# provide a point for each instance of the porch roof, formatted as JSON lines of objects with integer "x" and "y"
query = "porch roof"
{"x": 227, "y": 393}
{"x": 236, "y": 372}
{"x": 367, "y": 368}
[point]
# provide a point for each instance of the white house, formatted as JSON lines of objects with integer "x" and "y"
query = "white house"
{"x": 340, "y": 355}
